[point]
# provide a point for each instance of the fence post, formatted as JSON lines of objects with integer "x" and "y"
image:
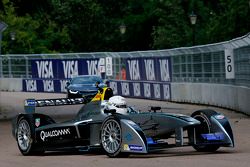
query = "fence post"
{"x": 9, "y": 67}
{"x": 26, "y": 67}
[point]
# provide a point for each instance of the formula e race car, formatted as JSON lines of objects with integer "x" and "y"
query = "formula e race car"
{"x": 118, "y": 133}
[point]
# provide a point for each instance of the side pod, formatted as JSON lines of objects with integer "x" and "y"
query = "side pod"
{"x": 133, "y": 138}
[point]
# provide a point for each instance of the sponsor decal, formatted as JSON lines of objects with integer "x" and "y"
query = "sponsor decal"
{"x": 137, "y": 89}
{"x": 147, "y": 90}
{"x": 135, "y": 147}
{"x": 213, "y": 136}
{"x": 125, "y": 89}
{"x": 219, "y": 116}
{"x": 31, "y": 85}
{"x": 126, "y": 147}
{"x": 45, "y": 69}
{"x": 134, "y": 69}
{"x": 150, "y": 69}
{"x": 132, "y": 147}
{"x": 37, "y": 122}
{"x": 48, "y": 85}
{"x": 30, "y": 102}
{"x": 54, "y": 133}
{"x": 70, "y": 68}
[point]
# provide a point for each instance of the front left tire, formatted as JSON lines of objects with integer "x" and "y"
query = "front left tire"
{"x": 111, "y": 137}
{"x": 25, "y": 137}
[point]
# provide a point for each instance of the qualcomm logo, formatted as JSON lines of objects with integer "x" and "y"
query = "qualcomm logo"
{"x": 54, "y": 133}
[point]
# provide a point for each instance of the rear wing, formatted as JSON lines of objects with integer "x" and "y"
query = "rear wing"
{"x": 31, "y": 104}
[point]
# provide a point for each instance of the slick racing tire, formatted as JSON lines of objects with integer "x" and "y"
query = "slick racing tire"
{"x": 111, "y": 137}
{"x": 25, "y": 135}
{"x": 205, "y": 127}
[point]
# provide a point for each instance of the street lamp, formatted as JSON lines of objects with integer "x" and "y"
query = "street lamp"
{"x": 193, "y": 19}
{"x": 122, "y": 29}
{"x": 13, "y": 38}
{"x": 3, "y": 26}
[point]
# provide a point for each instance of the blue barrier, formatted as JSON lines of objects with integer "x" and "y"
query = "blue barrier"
{"x": 138, "y": 89}
{"x": 147, "y": 78}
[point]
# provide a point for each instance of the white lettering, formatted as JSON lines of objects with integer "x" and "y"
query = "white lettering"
{"x": 229, "y": 64}
{"x": 166, "y": 92}
{"x": 125, "y": 89}
{"x": 63, "y": 85}
{"x": 92, "y": 67}
{"x": 48, "y": 85}
{"x": 150, "y": 70}
{"x": 134, "y": 69}
{"x": 31, "y": 85}
{"x": 147, "y": 90}
{"x": 54, "y": 133}
{"x": 70, "y": 68}
{"x": 137, "y": 89}
{"x": 113, "y": 86}
{"x": 45, "y": 69}
{"x": 164, "y": 67}
{"x": 157, "y": 91}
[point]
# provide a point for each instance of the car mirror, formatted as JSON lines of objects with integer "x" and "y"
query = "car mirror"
{"x": 155, "y": 108}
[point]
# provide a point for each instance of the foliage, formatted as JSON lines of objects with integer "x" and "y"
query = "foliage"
{"x": 46, "y": 26}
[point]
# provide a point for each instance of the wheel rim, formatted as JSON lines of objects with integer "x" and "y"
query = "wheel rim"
{"x": 23, "y": 135}
{"x": 204, "y": 126}
{"x": 111, "y": 136}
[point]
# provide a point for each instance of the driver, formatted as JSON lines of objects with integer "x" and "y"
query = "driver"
{"x": 118, "y": 103}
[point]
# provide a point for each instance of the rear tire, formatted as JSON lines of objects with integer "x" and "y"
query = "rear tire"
{"x": 205, "y": 127}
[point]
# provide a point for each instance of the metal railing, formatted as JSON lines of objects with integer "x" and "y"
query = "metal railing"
{"x": 204, "y": 63}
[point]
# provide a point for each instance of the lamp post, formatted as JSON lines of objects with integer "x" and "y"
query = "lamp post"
{"x": 3, "y": 26}
{"x": 193, "y": 19}
{"x": 122, "y": 31}
{"x": 13, "y": 38}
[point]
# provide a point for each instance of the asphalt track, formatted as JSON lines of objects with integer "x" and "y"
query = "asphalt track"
{"x": 12, "y": 102}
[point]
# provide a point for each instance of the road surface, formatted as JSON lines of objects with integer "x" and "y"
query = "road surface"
{"x": 12, "y": 102}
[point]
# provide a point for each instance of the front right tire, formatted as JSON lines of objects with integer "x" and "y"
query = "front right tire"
{"x": 204, "y": 128}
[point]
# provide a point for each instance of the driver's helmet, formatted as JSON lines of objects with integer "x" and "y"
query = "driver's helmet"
{"x": 118, "y": 103}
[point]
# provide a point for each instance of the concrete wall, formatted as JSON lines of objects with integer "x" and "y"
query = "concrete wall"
{"x": 228, "y": 96}
{"x": 11, "y": 84}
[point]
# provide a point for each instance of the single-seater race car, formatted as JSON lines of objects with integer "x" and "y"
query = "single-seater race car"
{"x": 106, "y": 122}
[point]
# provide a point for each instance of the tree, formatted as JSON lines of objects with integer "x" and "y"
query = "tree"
{"x": 172, "y": 29}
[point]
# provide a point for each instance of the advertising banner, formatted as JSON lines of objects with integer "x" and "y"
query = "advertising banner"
{"x": 64, "y": 69}
{"x": 145, "y": 77}
{"x": 44, "y": 85}
{"x": 149, "y": 69}
{"x": 146, "y": 90}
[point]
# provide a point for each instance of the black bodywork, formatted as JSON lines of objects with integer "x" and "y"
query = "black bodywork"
{"x": 140, "y": 132}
